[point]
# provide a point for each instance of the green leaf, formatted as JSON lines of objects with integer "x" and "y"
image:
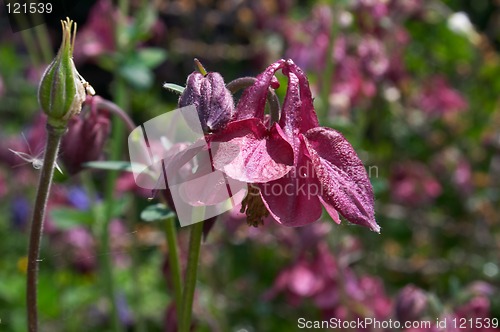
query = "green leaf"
{"x": 117, "y": 165}
{"x": 67, "y": 218}
{"x": 151, "y": 56}
{"x": 174, "y": 87}
{"x": 156, "y": 212}
{"x": 109, "y": 61}
{"x": 137, "y": 75}
{"x": 110, "y": 165}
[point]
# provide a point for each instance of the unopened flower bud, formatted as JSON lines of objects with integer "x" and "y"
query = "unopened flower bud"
{"x": 86, "y": 137}
{"x": 61, "y": 92}
{"x": 213, "y": 101}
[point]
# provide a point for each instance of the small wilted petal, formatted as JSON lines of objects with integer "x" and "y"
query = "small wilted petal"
{"x": 213, "y": 101}
{"x": 61, "y": 92}
{"x": 344, "y": 181}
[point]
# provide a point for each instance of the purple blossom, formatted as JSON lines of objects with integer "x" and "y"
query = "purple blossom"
{"x": 438, "y": 98}
{"x": 322, "y": 278}
{"x": 411, "y": 303}
{"x": 97, "y": 37}
{"x": 412, "y": 184}
{"x": 294, "y": 153}
{"x": 77, "y": 247}
{"x": 373, "y": 57}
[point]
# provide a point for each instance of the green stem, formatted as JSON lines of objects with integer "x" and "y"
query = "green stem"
{"x": 120, "y": 97}
{"x": 137, "y": 303}
{"x": 42, "y": 196}
{"x": 28, "y": 40}
{"x": 42, "y": 36}
{"x": 173, "y": 260}
{"x": 107, "y": 266}
{"x": 102, "y": 103}
{"x": 190, "y": 278}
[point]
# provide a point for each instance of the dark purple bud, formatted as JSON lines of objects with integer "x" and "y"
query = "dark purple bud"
{"x": 411, "y": 303}
{"x": 85, "y": 139}
{"x": 214, "y": 103}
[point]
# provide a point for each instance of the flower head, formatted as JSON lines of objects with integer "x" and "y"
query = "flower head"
{"x": 298, "y": 165}
{"x": 61, "y": 92}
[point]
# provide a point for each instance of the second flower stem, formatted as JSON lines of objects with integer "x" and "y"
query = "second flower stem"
{"x": 173, "y": 259}
{"x": 191, "y": 276}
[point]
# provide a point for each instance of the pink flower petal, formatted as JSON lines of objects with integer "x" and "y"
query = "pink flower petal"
{"x": 248, "y": 152}
{"x": 293, "y": 199}
{"x": 345, "y": 183}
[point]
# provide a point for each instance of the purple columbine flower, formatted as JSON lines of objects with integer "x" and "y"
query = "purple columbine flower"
{"x": 297, "y": 165}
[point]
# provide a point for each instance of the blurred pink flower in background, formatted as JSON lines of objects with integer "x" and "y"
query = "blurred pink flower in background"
{"x": 332, "y": 286}
{"x": 308, "y": 277}
{"x": 77, "y": 248}
{"x": 477, "y": 308}
{"x": 126, "y": 183}
{"x": 373, "y": 57}
{"x": 410, "y": 304}
{"x": 120, "y": 243}
{"x": 451, "y": 165}
{"x": 438, "y": 98}
{"x": 308, "y": 40}
{"x": 412, "y": 184}
{"x": 406, "y": 7}
{"x": 97, "y": 36}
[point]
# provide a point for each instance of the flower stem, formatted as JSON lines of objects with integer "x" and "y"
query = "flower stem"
{"x": 107, "y": 266}
{"x": 244, "y": 82}
{"x": 114, "y": 109}
{"x": 173, "y": 260}
{"x": 120, "y": 97}
{"x": 42, "y": 196}
{"x": 190, "y": 278}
